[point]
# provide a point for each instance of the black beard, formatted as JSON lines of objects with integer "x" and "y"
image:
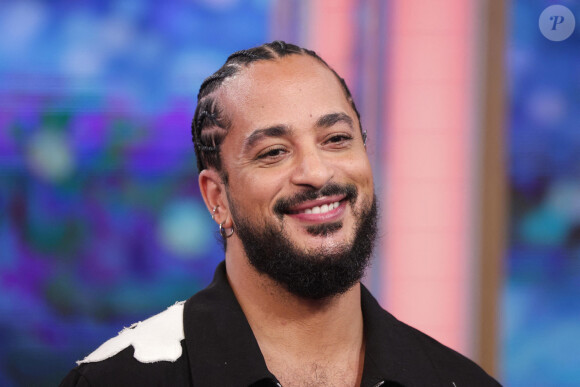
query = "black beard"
{"x": 315, "y": 274}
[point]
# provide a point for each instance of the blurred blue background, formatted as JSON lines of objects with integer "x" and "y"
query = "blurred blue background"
{"x": 541, "y": 304}
{"x": 101, "y": 221}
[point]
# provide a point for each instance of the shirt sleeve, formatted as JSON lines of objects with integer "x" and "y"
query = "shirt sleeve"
{"x": 75, "y": 379}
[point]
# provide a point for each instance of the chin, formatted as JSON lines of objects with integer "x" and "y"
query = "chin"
{"x": 334, "y": 242}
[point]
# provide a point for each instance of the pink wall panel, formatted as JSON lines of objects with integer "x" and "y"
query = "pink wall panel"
{"x": 331, "y": 28}
{"x": 427, "y": 164}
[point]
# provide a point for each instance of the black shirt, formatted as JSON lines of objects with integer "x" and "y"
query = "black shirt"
{"x": 219, "y": 349}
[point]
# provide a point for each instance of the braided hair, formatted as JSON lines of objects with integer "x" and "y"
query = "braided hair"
{"x": 210, "y": 124}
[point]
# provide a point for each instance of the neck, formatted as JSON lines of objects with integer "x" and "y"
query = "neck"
{"x": 281, "y": 321}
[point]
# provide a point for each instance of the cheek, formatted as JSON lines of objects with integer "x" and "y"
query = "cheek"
{"x": 360, "y": 171}
{"x": 257, "y": 189}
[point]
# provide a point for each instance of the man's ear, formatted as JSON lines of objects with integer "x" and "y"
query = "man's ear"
{"x": 213, "y": 192}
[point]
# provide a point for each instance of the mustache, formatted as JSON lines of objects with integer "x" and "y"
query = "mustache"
{"x": 283, "y": 205}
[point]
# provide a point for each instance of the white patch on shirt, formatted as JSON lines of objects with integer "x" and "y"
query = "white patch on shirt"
{"x": 156, "y": 339}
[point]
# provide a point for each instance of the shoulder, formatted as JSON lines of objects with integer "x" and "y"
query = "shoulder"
{"x": 155, "y": 339}
{"x": 138, "y": 355}
{"x": 448, "y": 363}
{"x": 410, "y": 355}
{"x": 124, "y": 370}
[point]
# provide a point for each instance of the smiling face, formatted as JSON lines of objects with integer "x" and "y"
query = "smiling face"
{"x": 298, "y": 175}
{"x": 293, "y": 132}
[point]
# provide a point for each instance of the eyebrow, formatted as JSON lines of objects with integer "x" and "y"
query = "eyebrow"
{"x": 328, "y": 120}
{"x": 272, "y": 131}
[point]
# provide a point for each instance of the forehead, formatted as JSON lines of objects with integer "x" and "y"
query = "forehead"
{"x": 287, "y": 90}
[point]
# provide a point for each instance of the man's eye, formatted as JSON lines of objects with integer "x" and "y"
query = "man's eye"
{"x": 271, "y": 153}
{"x": 339, "y": 138}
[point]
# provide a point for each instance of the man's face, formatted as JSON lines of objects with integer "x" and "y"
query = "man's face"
{"x": 295, "y": 159}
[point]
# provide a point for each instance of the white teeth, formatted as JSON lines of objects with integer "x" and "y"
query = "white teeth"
{"x": 322, "y": 209}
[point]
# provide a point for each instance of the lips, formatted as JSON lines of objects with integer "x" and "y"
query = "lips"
{"x": 312, "y": 204}
{"x": 323, "y": 210}
{"x": 319, "y": 206}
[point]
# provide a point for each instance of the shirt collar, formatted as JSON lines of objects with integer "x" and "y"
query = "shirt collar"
{"x": 224, "y": 352}
{"x": 392, "y": 353}
{"x": 221, "y": 346}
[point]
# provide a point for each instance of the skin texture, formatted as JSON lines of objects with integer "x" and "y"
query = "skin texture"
{"x": 292, "y": 130}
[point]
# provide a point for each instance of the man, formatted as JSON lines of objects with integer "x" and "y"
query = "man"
{"x": 285, "y": 175}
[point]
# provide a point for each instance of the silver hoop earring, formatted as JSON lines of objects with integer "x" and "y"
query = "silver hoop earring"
{"x": 223, "y": 231}
{"x": 213, "y": 212}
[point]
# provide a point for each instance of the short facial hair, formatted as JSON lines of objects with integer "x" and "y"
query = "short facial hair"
{"x": 314, "y": 274}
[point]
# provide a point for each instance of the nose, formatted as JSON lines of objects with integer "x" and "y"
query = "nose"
{"x": 312, "y": 169}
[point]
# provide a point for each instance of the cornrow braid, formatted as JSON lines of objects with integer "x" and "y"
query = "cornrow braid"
{"x": 210, "y": 124}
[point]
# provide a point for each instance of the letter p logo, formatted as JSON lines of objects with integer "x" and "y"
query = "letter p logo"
{"x": 557, "y": 20}
{"x": 557, "y": 23}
